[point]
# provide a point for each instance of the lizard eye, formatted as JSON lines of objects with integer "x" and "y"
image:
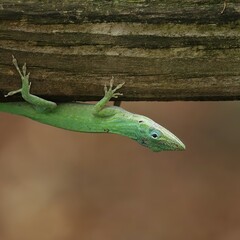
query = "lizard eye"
{"x": 155, "y": 134}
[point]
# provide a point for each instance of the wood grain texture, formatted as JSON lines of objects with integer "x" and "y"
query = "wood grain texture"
{"x": 163, "y": 50}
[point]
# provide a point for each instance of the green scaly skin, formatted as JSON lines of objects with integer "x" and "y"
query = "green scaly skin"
{"x": 92, "y": 118}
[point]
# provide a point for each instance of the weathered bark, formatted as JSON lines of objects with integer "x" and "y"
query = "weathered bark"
{"x": 163, "y": 50}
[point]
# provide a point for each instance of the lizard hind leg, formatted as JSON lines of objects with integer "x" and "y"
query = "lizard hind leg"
{"x": 24, "y": 78}
{"x": 40, "y": 104}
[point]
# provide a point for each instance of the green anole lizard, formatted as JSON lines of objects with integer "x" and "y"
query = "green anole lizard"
{"x": 94, "y": 118}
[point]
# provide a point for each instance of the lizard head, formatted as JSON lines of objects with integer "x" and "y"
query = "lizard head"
{"x": 156, "y": 137}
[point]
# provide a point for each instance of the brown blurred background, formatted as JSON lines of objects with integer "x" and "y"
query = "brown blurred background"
{"x": 60, "y": 185}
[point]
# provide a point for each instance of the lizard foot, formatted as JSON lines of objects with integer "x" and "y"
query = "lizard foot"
{"x": 111, "y": 92}
{"x": 24, "y": 76}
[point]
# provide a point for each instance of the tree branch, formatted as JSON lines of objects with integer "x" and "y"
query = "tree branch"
{"x": 172, "y": 50}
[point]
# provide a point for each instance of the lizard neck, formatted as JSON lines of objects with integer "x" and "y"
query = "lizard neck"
{"x": 123, "y": 123}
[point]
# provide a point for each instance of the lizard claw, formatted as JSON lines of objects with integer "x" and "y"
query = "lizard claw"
{"x": 118, "y": 87}
{"x": 115, "y": 95}
{"x": 111, "y": 83}
{"x": 105, "y": 88}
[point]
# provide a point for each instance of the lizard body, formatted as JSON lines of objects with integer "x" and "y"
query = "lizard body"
{"x": 94, "y": 118}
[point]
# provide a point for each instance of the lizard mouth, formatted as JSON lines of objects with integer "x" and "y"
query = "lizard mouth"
{"x": 172, "y": 144}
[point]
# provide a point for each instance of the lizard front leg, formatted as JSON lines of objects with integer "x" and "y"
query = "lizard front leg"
{"x": 109, "y": 93}
{"x": 38, "y": 103}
